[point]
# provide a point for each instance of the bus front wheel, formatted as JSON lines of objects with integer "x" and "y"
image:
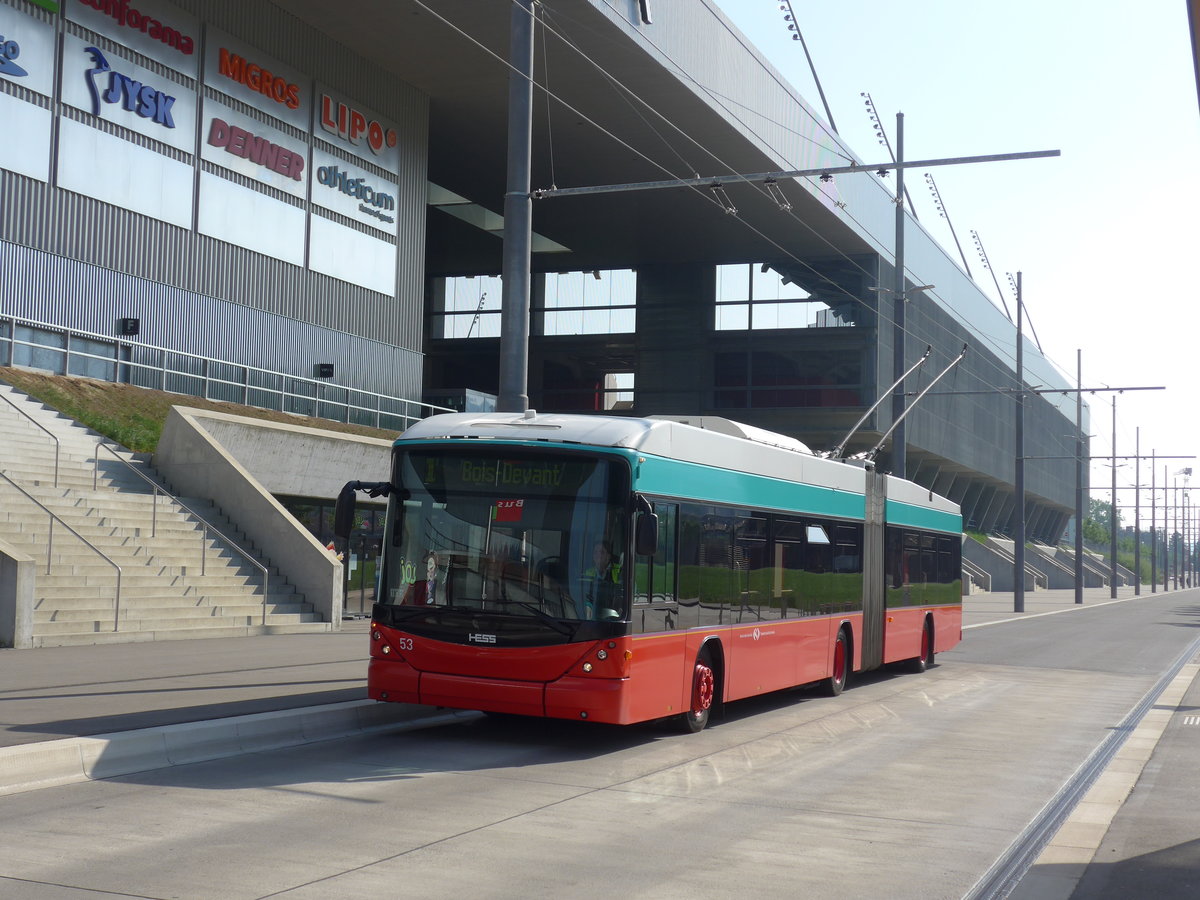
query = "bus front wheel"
{"x": 703, "y": 689}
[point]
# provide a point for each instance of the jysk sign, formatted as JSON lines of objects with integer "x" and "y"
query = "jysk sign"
{"x": 111, "y": 87}
{"x": 153, "y": 28}
{"x": 251, "y": 148}
{"x": 254, "y": 77}
{"x": 353, "y": 192}
{"x": 26, "y": 51}
{"x": 355, "y": 128}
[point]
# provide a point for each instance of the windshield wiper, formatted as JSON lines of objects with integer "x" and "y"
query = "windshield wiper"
{"x": 565, "y": 630}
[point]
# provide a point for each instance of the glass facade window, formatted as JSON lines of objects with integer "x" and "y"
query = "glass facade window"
{"x": 754, "y": 297}
{"x": 467, "y": 307}
{"x": 565, "y": 390}
{"x": 603, "y": 302}
{"x": 572, "y": 303}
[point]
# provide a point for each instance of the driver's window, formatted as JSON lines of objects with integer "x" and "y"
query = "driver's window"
{"x": 654, "y": 576}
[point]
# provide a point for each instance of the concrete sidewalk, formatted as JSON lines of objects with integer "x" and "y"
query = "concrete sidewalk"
{"x": 77, "y": 713}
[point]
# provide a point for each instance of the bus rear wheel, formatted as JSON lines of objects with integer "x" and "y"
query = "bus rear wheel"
{"x": 836, "y": 683}
{"x": 925, "y": 660}
{"x": 703, "y": 690}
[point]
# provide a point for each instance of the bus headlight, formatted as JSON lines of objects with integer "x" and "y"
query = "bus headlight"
{"x": 587, "y": 667}
{"x": 601, "y": 654}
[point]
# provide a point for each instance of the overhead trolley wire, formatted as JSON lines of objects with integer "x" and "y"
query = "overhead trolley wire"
{"x": 999, "y": 347}
{"x": 882, "y": 313}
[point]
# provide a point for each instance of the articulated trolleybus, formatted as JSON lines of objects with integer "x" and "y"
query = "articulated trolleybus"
{"x": 622, "y": 570}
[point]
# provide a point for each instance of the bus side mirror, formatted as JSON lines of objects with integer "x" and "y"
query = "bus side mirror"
{"x": 645, "y": 541}
{"x": 343, "y": 511}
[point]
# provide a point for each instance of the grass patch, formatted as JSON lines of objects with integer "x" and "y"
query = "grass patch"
{"x": 134, "y": 416}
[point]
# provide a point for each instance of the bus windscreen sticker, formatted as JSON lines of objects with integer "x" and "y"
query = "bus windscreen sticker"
{"x": 508, "y": 510}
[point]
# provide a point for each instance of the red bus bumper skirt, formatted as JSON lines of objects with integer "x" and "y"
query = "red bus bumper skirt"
{"x": 591, "y": 699}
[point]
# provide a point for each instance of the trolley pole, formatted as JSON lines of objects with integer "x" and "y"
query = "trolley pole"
{"x": 518, "y": 215}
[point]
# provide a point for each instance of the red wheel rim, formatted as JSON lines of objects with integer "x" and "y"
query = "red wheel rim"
{"x": 839, "y": 661}
{"x": 702, "y": 688}
{"x": 925, "y": 644}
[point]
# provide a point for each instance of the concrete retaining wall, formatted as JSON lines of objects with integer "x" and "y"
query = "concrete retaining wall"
{"x": 998, "y": 564}
{"x": 17, "y": 578}
{"x": 197, "y": 465}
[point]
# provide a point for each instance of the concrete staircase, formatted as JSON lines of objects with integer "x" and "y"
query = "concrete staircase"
{"x": 181, "y": 575}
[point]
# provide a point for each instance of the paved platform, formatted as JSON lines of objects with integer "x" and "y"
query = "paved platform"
{"x": 77, "y": 713}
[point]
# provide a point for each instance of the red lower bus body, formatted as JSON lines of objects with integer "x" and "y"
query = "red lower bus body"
{"x": 635, "y": 678}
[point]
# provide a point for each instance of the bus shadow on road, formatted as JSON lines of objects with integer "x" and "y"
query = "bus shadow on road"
{"x": 470, "y": 743}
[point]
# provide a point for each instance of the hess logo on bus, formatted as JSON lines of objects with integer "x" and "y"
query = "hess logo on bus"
{"x": 481, "y": 638}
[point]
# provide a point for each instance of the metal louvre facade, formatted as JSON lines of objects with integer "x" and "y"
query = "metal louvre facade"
{"x": 72, "y": 294}
{"x": 78, "y": 259}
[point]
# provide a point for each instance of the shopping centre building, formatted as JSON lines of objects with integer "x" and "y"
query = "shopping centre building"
{"x": 299, "y": 204}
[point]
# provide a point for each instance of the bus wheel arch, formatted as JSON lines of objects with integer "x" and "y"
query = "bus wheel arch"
{"x": 705, "y": 693}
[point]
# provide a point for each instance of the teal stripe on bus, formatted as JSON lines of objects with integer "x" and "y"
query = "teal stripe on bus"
{"x": 707, "y": 484}
{"x": 918, "y": 517}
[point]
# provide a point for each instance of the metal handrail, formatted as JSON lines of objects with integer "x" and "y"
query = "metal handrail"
{"x": 50, "y": 548}
{"x": 52, "y": 436}
{"x": 205, "y": 527}
{"x": 412, "y": 409}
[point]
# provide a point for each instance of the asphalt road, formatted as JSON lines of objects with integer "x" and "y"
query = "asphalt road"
{"x": 905, "y": 786}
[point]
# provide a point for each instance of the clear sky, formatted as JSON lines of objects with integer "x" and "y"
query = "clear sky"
{"x": 1107, "y": 236}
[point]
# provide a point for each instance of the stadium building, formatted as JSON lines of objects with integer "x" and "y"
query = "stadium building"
{"x": 298, "y": 204}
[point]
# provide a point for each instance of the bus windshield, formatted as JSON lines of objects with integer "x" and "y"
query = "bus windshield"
{"x": 509, "y": 531}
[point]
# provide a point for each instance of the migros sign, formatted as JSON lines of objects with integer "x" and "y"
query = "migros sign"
{"x": 259, "y": 79}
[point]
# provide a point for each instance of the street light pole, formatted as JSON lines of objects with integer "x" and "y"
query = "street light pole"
{"x": 1079, "y": 478}
{"x": 1153, "y": 531}
{"x": 1019, "y": 472}
{"x": 1112, "y": 513}
{"x": 518, "y": 216}
{"x": 1175, "y": 543}
{"x": 1137, "y": 514}
{"x": 1187, "y": 556}
{"x": 899, "y": 439}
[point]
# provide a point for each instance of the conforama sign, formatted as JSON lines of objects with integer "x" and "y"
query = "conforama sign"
{"x": 362, "y": 132}
{"x": 154, "y": 28}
